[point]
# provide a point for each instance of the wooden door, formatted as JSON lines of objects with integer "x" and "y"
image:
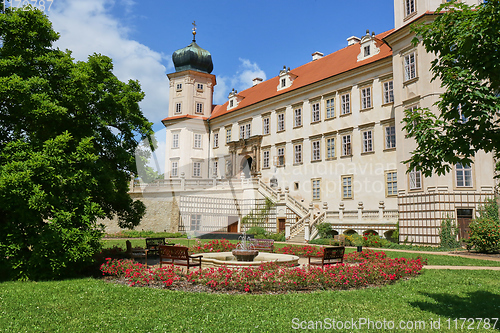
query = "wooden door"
{"x": 464, "y": 216}
{"x": 232, "y": 227}
{"x": 281, "y": 224}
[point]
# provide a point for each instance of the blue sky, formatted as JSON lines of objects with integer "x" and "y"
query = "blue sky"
{"x": 246, "y": 38}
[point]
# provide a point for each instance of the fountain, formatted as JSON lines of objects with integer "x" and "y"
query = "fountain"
{"x": 245, "y": 256}
{"x": 244, "y": 250}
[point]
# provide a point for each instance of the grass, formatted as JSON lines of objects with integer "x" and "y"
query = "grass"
{"x": 89, "y": 305}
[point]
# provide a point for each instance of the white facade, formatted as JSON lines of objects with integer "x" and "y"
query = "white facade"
{"x": 333, "y": 141}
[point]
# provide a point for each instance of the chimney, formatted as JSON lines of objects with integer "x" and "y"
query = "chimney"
{"x": 256, "y": 81}
{"x": 317, "y": 55}
{"x": 353, "y": 40}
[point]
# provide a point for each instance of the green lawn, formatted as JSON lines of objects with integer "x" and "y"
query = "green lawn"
{"x": 89, "y": 305}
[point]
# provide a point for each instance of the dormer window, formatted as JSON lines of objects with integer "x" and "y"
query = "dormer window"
{"x": 234, "y": 99}
{"x": 286, "y": 78}
{"x": 368, "y": 46}
{"x": 367, "y": 50}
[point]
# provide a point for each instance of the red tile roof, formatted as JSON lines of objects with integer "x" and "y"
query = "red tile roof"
{"x": 314, "y": 71}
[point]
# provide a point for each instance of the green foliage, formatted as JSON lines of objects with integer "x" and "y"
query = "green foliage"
{"x": 466, "y": 41}
{"x": 68, "y": 131}
{"x": 279, "y": 236}
{"x": 448, "y": 234}
{"x": 258, "y": 216}
{"x": 485, "y": 230}
{"x": 324, "y": 230}
{"x": 145, "y": 234}
{"x": 324, "y": 241}
{"x": 257, "y": 232}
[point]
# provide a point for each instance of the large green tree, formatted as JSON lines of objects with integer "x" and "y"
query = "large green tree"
{"x": 466, "y": 42}
{"x": 68, "y": 131}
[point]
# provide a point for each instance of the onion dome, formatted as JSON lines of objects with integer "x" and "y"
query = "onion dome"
{"x": 193, "y": 57}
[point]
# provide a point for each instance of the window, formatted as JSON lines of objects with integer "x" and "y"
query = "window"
{"x": 412, "y": 109}
{"x": 196, "y": 169}
{"x": 315, "y": 113}
{"x": 199, "y": 107}
{"x": 175, "y": 168}
{"x": 316, "y": 150}
{"x": 345, "y": 104}
{"x": 265, "y": 126}
{"x": 199, "y": 86}
{"x": 215, "y": 168}
{"x": 410, "y": 66}
{"x": 298, "y": 154}
{"x": 330, "y": 108}
{"x": 415, "y": 179}
{"x": 265, "y": 159}
{"x": 197, "y": 140}
{"x": 346, "y": 187}
{"x": 390, "y": 137}
{"x": 178, "y": 107}
{"x": 195, "y": 222}
{"x": 216, "y": 140}
{"x": 281, "y": 156}
{"x": 346, "y": 145}
{"x": 281, "y": 122}
{"x": 316, "y": 189}
{"x": 298, "y": 117}
{"x": 391, "y": 183}
{"x": 231, "y": 103}
{"x": 175, "y": 140}
{"x": 367, "y": 141}
{"x": 366, "y": 98}
{"x": 283, "y": 83}
{"x": 409, "y": 7}
{"x": 247, "y": 130}
{"x": 179, "y": 86}
{"x": 464, "y": 175}
{"x": 228, "y": 135}
{"x": 388, "y": 92}
{"x": 367, "y": 51}
{"x": 330, "y": 148}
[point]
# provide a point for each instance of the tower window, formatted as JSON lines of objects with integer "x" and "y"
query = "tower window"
{"x": 178, "y": 107}
{"x": 179, "y": 86}
{"x": 409, "y": 7}
{"x": 199, "y": 107}
{"x": 200, "y": 86}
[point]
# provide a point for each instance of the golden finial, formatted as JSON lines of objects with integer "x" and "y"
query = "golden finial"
{"x": 194, "y": 30}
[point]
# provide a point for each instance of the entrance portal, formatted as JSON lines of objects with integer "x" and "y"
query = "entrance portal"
{"x": 246, "y": 166}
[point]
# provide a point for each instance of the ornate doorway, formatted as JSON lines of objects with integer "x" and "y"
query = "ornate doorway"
{"x": 246, "y": 166}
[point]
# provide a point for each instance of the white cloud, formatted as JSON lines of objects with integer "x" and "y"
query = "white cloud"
{"x": 242, "y": 80}
{"x": 87, "y": 27}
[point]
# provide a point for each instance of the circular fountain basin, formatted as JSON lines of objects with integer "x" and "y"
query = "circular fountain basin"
{"x": 217, "y": 259}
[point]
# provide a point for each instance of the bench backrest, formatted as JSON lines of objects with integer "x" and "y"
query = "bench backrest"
{"x": 173, "y": 252}
{"x": 334, "y": 252}
{"x": 155, "y": 241}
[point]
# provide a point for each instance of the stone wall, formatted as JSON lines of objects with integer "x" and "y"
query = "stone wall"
{"x": 162, "y": 215}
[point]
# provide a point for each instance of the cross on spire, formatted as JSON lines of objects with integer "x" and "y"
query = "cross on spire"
{"x": 194, "y": 30}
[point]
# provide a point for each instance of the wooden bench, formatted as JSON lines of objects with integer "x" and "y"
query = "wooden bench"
{"x": 153, "y": 243}
{"x": 178, "y": 255}
{"x": 263, "y": 244}
{"x": 331, "y": 255}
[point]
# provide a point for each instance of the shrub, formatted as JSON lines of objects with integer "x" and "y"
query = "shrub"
{"x": 257, "y": 232}
{"x": 325, "y": 241}
{"x": 485, "y": 234}
{"x": 279, "y": 236}
{"x": 448, "y": 235}
{"x": 324, "y": 230}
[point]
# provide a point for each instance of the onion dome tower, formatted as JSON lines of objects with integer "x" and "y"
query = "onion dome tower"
{"x": 193, "y": 57}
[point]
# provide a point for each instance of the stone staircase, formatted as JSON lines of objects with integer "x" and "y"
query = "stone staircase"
{"x": 299, "y": 237}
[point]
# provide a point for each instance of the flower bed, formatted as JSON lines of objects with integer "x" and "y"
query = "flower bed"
{"x": 301, "y": 250}
{"x": 369, "y": 269}
{"x": 216, "y": 245}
